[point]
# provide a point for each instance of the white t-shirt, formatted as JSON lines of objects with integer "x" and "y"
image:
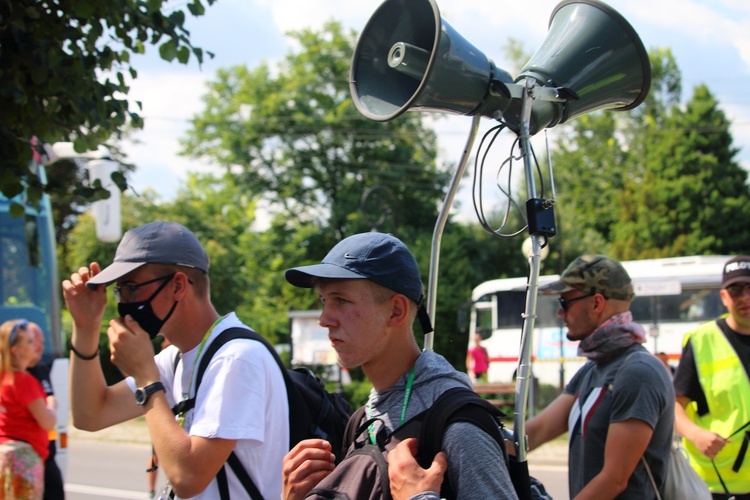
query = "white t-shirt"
{"x": 242, "y": 396}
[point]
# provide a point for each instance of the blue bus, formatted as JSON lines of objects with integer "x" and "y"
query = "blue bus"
{"x": 29, "y": 280}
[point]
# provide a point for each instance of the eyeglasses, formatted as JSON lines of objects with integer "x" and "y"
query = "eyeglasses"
{"x": 738, "y": 289}
{"x": 565, "y": 303}
{"x": 126, "y": 293}
{"x": 20, "y": 324}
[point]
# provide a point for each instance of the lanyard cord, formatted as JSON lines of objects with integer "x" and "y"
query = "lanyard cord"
{"x": 404, "y": 405}
{"x": 181, "y": 416}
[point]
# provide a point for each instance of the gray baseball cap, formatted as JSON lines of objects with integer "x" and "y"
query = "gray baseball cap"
{"x": 153, "y": 243}
{"x": 593, "y": 274}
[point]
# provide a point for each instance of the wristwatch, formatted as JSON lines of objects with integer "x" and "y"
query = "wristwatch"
{"x": 142, "y": 393}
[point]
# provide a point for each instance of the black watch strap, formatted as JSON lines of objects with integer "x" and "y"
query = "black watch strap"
{"x": 143, "y": 393}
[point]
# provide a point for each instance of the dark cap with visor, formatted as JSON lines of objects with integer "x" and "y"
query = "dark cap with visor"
{"x": 736, "y": 270}
{"x": 153, "y": 243}
{"x": 378, "y": 257}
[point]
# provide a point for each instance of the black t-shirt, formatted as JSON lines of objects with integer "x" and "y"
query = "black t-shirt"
{"x": 40, "y": 371}
{"x": 686, "y": 382}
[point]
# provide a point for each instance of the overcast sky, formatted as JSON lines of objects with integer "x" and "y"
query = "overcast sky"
{"x": 709, "y": 38}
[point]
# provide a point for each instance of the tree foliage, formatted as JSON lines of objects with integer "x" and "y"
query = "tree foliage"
{"x": 691, "y": 190}
{"x": 64, "y": 67}
{"x": 652, "y": 182}
{"x": 292, "y": 135}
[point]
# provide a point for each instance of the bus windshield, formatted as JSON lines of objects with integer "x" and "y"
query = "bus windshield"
{"x": 28, "y": 270}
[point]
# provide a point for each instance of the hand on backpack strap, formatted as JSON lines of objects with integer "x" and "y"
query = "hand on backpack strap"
{"x": 308, "y": 463}
{"x": 407, "y": 477}
{"x": 709, "y": 443}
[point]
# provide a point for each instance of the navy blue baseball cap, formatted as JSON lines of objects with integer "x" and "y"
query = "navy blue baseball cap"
{"x": 379, "y": 257}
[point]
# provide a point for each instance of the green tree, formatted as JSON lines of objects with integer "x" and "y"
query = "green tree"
{"x": 658, "y": 181}
{"x": 691, "y": 190}
{"x": 590, "y": 170}
{"x": 293, "y": 136}
{"x": 63, "y": 72}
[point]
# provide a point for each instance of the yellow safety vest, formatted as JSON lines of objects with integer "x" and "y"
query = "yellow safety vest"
{"x": 727, "y": 388}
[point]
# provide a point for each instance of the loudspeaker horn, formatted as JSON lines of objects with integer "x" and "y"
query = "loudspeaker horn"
{"x": 593, "y": 57}
{"x": 409, "y": 59}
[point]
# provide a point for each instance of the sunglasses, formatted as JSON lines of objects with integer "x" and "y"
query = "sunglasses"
{"x": 738, "y": 289}
{"x": 20, "y": 324}
{"x": 126, "y": 293}
{"x": 565, "y": 303}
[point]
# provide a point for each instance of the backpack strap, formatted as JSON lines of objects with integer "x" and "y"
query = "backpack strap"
{"x": 458, "y": 404}
{"x": 221, "y": 339}
{"x": 294, "y": 399}
{"x": 176, "y": 362}
{"x": 350, "y": 433}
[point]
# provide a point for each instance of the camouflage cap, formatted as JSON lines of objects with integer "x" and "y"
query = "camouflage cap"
{"x": 593, "y": 274}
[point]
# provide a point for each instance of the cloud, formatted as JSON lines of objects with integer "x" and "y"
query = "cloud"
{"x": 299, "y": 14}
{"x": 169, "y": 101}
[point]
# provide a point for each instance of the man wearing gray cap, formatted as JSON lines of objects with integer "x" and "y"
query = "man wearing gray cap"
{"x": 619, "y": 406}
{"x": 712, "y": 384}
{"x": 162, "y": 287}
{"x": 371, "y": 292}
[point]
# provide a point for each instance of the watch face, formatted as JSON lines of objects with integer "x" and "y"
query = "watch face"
{"x": 142, "y": 393}
{"x": 140, "y": 396}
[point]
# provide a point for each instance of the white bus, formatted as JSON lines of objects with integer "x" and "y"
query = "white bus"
{"x": 673, "y": 295}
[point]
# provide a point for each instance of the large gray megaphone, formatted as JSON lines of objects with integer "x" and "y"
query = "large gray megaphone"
{"x": 409, "y": 59}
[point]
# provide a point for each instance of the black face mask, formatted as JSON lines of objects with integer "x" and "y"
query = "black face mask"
{"x": 144, "y": 315}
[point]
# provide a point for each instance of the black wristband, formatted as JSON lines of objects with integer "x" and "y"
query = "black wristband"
{"x": 81, "y": 356}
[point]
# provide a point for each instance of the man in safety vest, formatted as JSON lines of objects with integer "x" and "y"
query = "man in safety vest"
{"x": 712, "y": 386}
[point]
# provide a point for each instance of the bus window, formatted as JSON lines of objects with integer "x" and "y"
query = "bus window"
{"x": 510, "y": 306}
{"x": 14, "y": 259}
{"x": 510, "y": 309}
{"x": 689, "y": 306}
{"x": 27, "y": 271}
{"x": 32, "y": 240}
{"x": 484, "y": 319}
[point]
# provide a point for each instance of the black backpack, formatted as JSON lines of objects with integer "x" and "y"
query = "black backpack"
{"x": 313, "y": 411}
{"x": 363, "y": 474}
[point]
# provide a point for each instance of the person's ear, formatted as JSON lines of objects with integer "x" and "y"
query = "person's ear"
{"x": 399, "y": 310}
{"x": 600, "y": 302}
{"x": 181, "y": 283}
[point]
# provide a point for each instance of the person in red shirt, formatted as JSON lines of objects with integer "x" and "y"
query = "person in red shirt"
{"x": 477, "y": 360}
{"x": 25, "y": 418}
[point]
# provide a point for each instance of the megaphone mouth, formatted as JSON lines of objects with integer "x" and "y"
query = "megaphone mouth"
{"x": 408, "y": 57}
{"x": 631, "y": 35}
{"x": 399, "y": 44}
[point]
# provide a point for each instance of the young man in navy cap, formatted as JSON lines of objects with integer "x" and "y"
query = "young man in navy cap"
{"x": 371, "y": 292}
{"x": 162, "y": 287}
{"x": 712, "y": 384}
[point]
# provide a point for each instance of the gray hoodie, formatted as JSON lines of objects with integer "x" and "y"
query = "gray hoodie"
{"x": 475, "y": 461}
